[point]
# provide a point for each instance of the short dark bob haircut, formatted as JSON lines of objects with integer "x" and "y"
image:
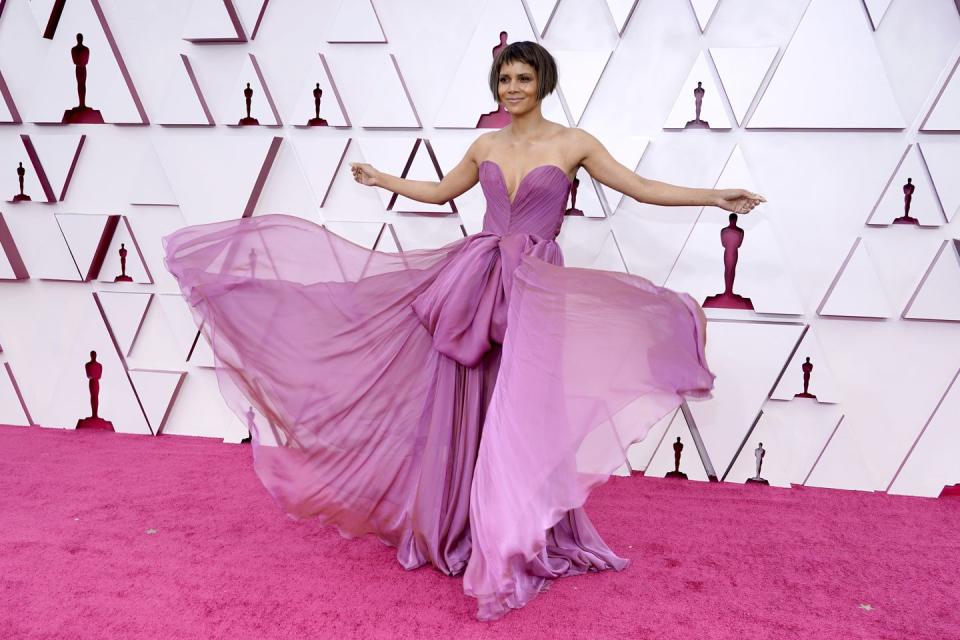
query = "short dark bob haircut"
{"x": 534, "y": 55}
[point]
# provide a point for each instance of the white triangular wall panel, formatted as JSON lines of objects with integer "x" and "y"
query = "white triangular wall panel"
{"x": 842, "y": 464}
{"x": 621, "y": 10}
{"x": 663, "y": 459}
{"x": 11, "y": 410}
{"x": 183, "y": 101}
{"x": 793, "y": 436}
{"x": 355, "y": 21}
{"x": 579, "y": 74}
{"x": 704, "y": 10}
{"x": 857, "y": 290}
{"x": 856, "y": 92}
{"x": 59, "y": 155}
{"x": 762, "y": 273}
{"x": 943, "y": 162}
{"x": 151, "y": 185}
{"x": 320, "y": 160}
{"x": 931, "y": 464}
{"x": 262, "y": 105}
{"x": 389, "y": 155}
{"x": 541, "y": 13}
{"x": 746, "y": 357}
{"x": 210, "y": 21}
{"x": 393, "y": 107}
{"x": 331, "y": 107}
{"x": 107, "y": 90}
{"x": 199, "y": 410}
{"x": 712, "y": 106}
{"x": 945, "y": 113}
{"x": 422, "y": 168}
{"x": 157, "y": 391}
{"x": 41, "y": 245}
{"x": 938, "y": 295}
{"x": 251, "y": 13}
{"x": 924, "y": 205}
{"x": 823, "y": 383}
{"x": 11, "y": 156}
{"x": 741, "y": 71}
{"x": 83, "y": 233}
{"x": 287, "y": 189}
{"x": 206, "y": 196}
{"x": 876, "y": 9}
{"x": 125, "y": 313}
{"x": 112, "y": 265}
{"x": 70, "y": 398}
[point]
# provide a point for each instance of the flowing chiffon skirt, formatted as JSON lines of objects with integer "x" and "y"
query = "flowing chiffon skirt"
{"x": 459, "y": 403}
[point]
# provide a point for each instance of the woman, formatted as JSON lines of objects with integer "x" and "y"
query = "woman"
{"x": 458, "y": 402}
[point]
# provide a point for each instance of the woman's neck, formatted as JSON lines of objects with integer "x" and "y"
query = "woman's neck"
{"x": 529, "y": 126}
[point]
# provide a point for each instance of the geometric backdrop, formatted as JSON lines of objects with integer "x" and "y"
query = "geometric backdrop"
{"x": 827, "y": 107}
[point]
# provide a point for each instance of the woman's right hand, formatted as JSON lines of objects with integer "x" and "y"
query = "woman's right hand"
{"x": 365, "y": 174}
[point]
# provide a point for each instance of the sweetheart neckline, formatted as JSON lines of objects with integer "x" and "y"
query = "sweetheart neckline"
{"x": 503, "y": 178}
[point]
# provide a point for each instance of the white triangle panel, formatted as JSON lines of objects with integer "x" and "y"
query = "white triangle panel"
{"x": 109, "y": 88}
{"x": 355, "y": 21}
{"x": 746, "y": 357}
{"x": 422, "y": 168}
{"x": 876, "y": 9}
{"x": 157, "y": 391}
{"x": 823, "y": 383}
{"x": 262, "y": 106}
{"x": 251, "y": 14}
{"x": 541, "y": 13}
{"x": 393, "y": 107}
{"x": 151, "y": 185}
{"x": 793, "y": 435}
{"x": 113, "y": 266}
{"x": 212, "y": 21}
{"x": 320, "y": 160}
{"x": 84, "y": 234}
{"x": 704, "y": 10}
{"x": 943, "y": 162}
{"x": 621, "y": 10}
{"x": 58, "y": 156}
{"x": 389, "y": 155}
{"x": 931, "y": 464}
{"x": 183, "y": 101}
{"x": 125, "y": 313}
{"x": 579, "y": 74}
{"x": 331, "y": 105}
{"x": 628, "y": 151}
{"x": 857, "y": 290}
{"x": 11, "y": 409}
{"x": 741, "y": 71}
{"x": 924, "y": 205}
{"x": 712, "y": 109}
{"x": 938, "y": 295}
{"x": 945, "y": 113}
{"x": 663, "y": 459}
{"x": 856, "y": 92}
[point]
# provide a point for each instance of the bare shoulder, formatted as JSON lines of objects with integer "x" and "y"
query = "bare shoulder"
{"x": 480, "y": 148}
{"x": 581, "y": 143}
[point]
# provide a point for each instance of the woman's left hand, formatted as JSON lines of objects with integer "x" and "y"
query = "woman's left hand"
{"x": 738, "y": 200}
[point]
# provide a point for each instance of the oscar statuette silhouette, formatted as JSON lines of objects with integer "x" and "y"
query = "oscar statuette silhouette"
{"x": 21, "y": 197}
{"x": 697, "y": 123}
{"x": 677, "y": 451}
{"x": 248, "y": 98}
{"x": 731, "y": 237}
{"x": 94, "y": 371}
{"x": 317, "y": 121}
{"x": 81, "y": 114}
{"x": 501, "y": 117}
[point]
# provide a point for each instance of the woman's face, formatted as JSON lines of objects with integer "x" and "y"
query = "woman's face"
{"x": 517, "y": 87}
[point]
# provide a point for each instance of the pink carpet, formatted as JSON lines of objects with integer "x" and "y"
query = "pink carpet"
{"x": 105, "y": 535}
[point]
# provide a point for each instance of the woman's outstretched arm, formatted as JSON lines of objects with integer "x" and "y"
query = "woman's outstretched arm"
{"x": 457, "y": 181}
{"x": 601, "y": 165}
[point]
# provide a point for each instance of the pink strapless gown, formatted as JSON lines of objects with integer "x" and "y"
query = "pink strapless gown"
{"x": 459, "y": 403}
